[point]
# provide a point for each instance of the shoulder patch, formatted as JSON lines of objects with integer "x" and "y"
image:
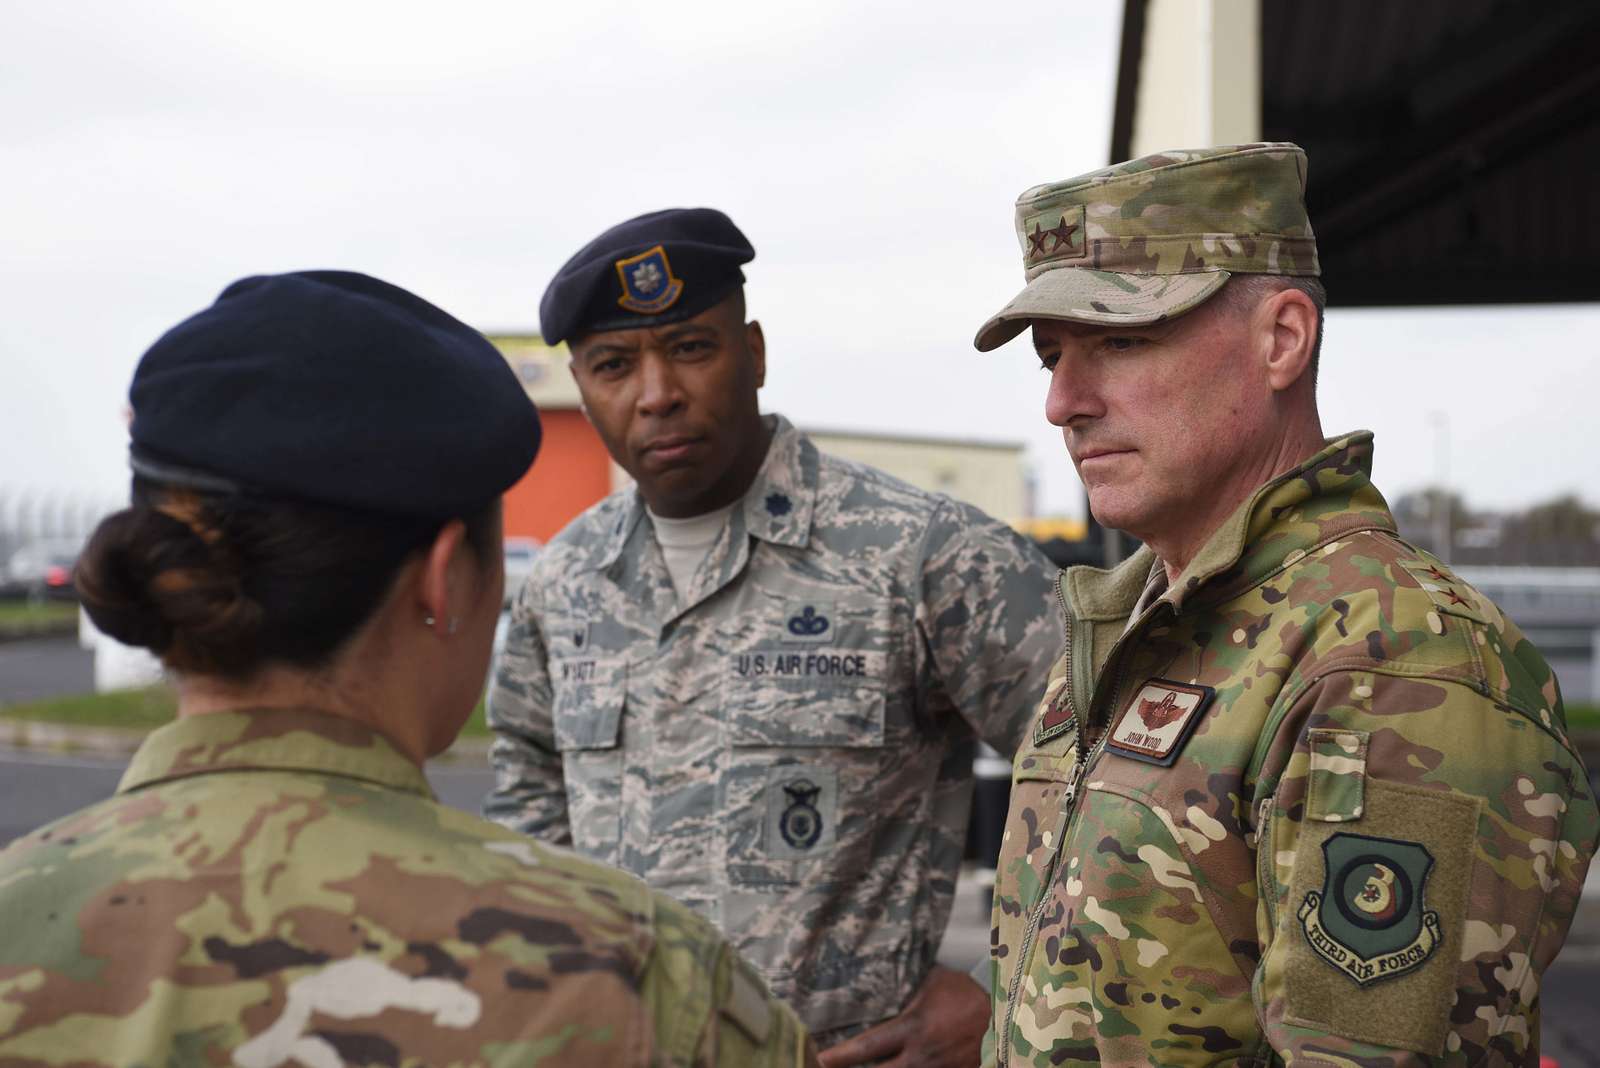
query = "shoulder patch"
{"x": 1369, "y": 919}
{"x": 1162, "y": 715}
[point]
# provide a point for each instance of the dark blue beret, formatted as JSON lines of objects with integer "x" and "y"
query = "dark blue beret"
{"x": 335, "y": 388}
{"x": 659, "y": 268}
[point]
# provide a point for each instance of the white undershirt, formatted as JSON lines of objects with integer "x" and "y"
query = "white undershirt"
{"x": 687, "y": 542}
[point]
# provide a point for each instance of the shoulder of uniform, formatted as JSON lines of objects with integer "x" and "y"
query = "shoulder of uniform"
{"x": 604, "y": 903}
{"x": 1401, "y": 610}
{"x": 595, "y": 521}
{"x": 842, "y": 480}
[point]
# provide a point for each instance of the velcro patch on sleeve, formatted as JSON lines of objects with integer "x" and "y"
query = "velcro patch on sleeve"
{"x": 1338, "y": 775}
{"x": 1377, "y": 911}
{"x": 746, "y": 1005}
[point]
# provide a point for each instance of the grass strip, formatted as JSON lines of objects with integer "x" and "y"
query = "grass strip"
{"x": 21, "y": 619}
{"x": 142, "y": 710}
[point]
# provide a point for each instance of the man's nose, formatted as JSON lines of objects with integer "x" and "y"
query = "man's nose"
{"x": 1072, "y": 394}
{"x": 660, "y": 391}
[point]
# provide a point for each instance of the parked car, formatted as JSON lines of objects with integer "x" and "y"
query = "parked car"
{"x": 43, "y": 568}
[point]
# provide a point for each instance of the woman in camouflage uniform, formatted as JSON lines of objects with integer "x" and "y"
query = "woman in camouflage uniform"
{"x": 273, "y": 882}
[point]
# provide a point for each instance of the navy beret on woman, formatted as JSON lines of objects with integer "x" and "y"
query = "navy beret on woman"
{"x": 332, "y": 387}
{"x": 652, "y": 270}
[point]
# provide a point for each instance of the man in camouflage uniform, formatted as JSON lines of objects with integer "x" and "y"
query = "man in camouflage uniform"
{"x": 281, "y": 888}
{"x": 1295, "y": 791}
{"x": 781, "y": 733}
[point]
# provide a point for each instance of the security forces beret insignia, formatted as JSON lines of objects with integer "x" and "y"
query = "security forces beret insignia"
{"x": 1368, "y": 919}
{"x": 647, "y": 283}
{"x": 335, "y": 388}
{"x": 656, "y": 269}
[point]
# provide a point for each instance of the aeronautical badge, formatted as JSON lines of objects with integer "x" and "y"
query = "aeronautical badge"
{"x": 648, "y": 286}
{"x": 1156, "y": 725}
{"x": 801, "y": 823}
{"x": 1368, "y": 919}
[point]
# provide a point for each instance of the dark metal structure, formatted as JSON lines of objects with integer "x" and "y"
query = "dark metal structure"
{"x": 1454, "y": 144}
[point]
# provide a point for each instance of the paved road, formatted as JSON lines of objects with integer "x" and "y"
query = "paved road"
{"x": 35, "y": 789}
{"x": 43, "y": 667}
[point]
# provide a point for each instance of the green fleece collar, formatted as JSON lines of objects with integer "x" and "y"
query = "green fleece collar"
{"x": 1327, "y": 497}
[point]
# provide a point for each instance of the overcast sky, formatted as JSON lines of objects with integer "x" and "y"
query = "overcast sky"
{"x": 154, "y": 152}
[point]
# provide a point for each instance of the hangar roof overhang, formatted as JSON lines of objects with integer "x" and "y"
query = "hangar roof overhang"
{"x": 1454, "y": 145}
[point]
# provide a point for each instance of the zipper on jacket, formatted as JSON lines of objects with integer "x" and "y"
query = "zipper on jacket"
{"x": 1088, "y": 753}
{"x": 1048, "y": 874}
{"x": 1047, "y": 879}
{"x": 1266, "y": 863}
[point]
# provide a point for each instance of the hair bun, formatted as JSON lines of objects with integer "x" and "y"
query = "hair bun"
{"x": 151, "y": 579}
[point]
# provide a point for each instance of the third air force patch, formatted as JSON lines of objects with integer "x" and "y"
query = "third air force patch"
{"x": 1368, "y": 919}
{"x": 648, "y": 286}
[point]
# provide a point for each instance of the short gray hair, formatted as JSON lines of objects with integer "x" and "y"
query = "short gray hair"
{"x": 1243, "y": 292}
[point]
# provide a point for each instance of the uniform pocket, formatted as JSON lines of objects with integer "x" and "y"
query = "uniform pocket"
{"x": 590, "y": 695}
{"x": 804, "y": 707}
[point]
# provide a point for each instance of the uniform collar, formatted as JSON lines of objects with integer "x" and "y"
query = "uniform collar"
{"x": 271, "y": 740}
{"x": 1325, "y": 498}
{"x": 776, "y": 508}
{"x": 779, "y": 503}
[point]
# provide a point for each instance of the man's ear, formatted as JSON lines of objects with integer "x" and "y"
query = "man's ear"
{"x": 1286, "y": 325}
{"x": 756, "y": 342}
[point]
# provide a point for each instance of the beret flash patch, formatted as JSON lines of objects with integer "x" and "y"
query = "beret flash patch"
{"x": 648, "y": 286}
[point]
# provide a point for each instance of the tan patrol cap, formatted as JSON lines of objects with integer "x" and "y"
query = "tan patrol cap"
{"x": 1154, "y": 237}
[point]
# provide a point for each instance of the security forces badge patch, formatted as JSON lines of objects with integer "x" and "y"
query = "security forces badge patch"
{"x": 1368, "y": 919}
{"x": 648, "y": 285}
{"x": 802, "y": 810}
{"x": 801, "y": 823}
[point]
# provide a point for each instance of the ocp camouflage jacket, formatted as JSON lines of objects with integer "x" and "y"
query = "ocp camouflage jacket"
{"x": 280, "y": 888}
{"x": 1316, "y": 802}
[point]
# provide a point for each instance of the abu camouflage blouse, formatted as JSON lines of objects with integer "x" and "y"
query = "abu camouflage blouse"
{"x": 1316, "y": 803}
{"x": 788, "y": 746}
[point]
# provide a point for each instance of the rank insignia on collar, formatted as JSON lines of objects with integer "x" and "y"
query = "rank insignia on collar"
{"x": 1368, "y": 920}
{"x": 648, "y": 286}
{"x": 1155, "y": 727}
